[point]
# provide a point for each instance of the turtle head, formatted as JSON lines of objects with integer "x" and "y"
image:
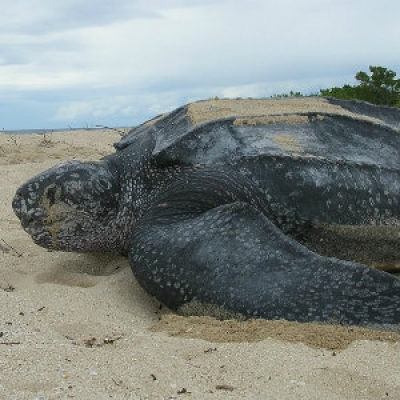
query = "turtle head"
{"x": 71, "y": 207}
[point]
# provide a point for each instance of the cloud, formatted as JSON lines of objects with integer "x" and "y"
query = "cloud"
{"x": 111, "y": 59}
{"x": 38, "y": 17}
{"x": 73, "y": 110}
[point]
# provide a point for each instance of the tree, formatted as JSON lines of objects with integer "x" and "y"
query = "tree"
{"x": 290, "y": 94}
{"x": 380, "y": 87}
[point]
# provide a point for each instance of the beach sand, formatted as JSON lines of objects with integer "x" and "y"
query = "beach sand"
{"x": 79, "y": 326}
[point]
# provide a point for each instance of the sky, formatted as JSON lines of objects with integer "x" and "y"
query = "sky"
{"x": 82, "y": 63}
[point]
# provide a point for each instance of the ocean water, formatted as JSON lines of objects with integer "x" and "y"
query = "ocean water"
{"x": 49, "y": 131}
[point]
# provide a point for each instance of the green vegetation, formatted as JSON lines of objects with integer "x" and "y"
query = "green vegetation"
{"x": 380, "y": 87}
{"x": 290, "y": 94}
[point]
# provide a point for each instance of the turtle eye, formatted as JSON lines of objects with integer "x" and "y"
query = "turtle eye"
{"x": 104, "y": 184}
{"x": 51, "y": 194}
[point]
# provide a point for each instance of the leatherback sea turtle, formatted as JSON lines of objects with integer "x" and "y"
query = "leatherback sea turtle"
{"x": 222, "y": 206}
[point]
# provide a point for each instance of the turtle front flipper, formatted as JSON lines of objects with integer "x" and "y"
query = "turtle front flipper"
{"x": 207, "y": 247}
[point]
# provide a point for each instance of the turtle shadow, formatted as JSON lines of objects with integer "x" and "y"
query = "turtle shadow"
{"x": 84, "y": 270}
{"x": 109, "y": 271}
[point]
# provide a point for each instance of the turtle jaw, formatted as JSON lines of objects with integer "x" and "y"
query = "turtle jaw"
{"x": 41, "y": 237}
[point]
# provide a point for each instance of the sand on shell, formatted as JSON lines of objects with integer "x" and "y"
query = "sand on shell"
{"x": 79, "y": 326}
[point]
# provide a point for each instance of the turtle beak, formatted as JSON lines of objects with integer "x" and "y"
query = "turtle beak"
{"x": 20, "y": 203}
